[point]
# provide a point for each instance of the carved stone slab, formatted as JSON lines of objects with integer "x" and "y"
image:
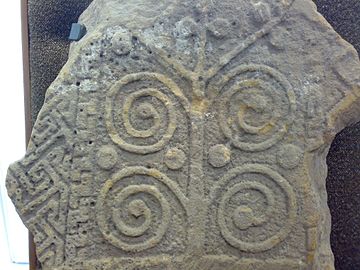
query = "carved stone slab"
{"x": 189, "y": 135}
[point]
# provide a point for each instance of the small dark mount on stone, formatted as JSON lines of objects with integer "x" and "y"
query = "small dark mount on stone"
{"x": 77, "y": 32}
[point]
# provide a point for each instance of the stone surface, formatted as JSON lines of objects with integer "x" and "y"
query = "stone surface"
{"x": 49, "y": 24}
{"x": 191, "y": 138}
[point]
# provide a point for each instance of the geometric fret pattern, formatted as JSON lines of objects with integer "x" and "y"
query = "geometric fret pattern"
{"x": 38, "y": 186}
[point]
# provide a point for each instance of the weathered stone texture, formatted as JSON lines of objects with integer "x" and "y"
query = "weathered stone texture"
{"x": 189, "y": 135}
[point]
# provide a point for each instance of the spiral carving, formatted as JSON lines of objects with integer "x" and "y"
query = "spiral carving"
{"x": 244, "y": 216}
{"x": 135, "y": 217}
{"x": 142, "y": 119}
{"x": 257, "y": 109}
{"x": 258, "y": 208}
{"x": 138, "y": 208}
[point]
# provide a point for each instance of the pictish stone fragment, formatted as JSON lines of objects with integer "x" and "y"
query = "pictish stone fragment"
{"x": 189, "y": 135}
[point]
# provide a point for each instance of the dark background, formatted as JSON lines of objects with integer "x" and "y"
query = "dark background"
{"x": 343, "y": 181}
{"x": 49, "y": 26}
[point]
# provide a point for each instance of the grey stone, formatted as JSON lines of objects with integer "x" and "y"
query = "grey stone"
{"x": 189, "y": 135}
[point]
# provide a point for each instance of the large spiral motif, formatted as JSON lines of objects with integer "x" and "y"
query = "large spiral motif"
{"x": 135, "y": 217}
{"x": 257, "y": 208}
{"x": 142, "y": 119}
{"x": 256, "y": 107}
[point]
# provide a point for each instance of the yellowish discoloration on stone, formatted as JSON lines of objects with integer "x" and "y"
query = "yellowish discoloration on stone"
{"x": 341, "y": 108}
{"x": 199, "y": 106}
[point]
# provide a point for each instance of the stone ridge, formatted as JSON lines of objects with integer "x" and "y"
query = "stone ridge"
{"x": 190, "y": 139}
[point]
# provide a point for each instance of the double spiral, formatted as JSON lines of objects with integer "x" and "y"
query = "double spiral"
{"x": 132, "y": 216}
{"x": 256, "y": 106}
{"x": 257, "y": 208}
{"x": 142, "y": 119}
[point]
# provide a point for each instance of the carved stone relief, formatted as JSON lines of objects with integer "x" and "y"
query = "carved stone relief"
{"x": 189, "y": 135}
